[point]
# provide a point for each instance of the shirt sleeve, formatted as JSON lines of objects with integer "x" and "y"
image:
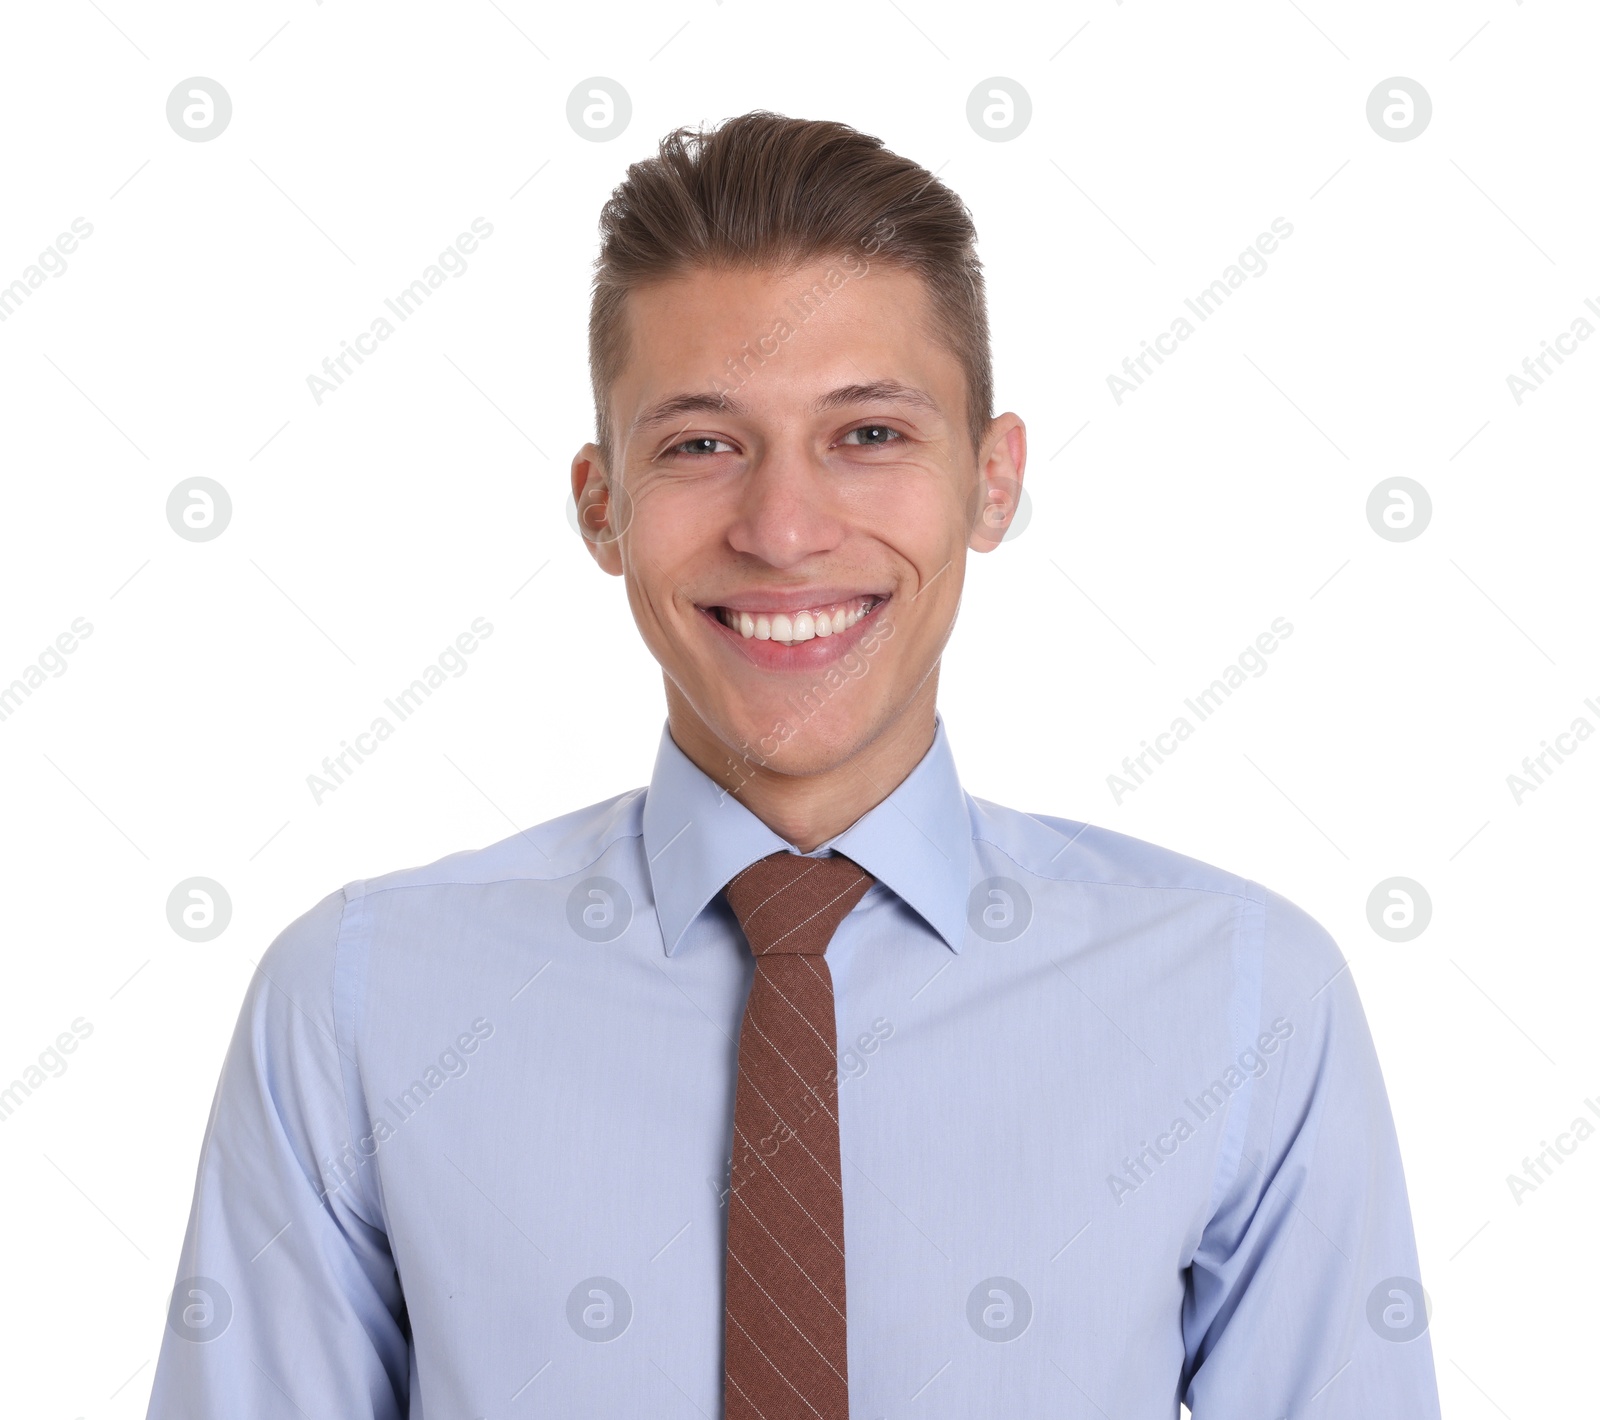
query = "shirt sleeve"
{"x": 287, "y": 1301}
{"x": 1304, "y": 1289}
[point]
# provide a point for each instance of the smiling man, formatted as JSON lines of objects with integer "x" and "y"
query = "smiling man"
{"x": 801, "y": 534}
{"x": 799, "y": 1083}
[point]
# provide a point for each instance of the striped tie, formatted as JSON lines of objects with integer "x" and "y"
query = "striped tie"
{"x": 784, "y": 1323}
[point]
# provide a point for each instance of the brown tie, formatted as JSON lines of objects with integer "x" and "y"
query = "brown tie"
{"x": 784, "y": 1319}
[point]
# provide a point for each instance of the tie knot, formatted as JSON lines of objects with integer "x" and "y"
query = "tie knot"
{"x": 788, "y": 903}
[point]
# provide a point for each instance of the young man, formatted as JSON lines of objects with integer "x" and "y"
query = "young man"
{"x": 799, "y": 1083}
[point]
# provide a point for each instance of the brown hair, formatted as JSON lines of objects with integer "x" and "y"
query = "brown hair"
{"x": 764, "y": 191}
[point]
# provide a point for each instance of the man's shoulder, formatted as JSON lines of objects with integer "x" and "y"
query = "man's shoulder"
{"x": 548, "y": 851}
{"x": 1071, "y": 850}
{"x": 1074, "y": 852}
{"x": 303, "y": 961}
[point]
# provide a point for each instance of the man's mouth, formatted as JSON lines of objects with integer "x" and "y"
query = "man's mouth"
{"x": 790, "y": 628}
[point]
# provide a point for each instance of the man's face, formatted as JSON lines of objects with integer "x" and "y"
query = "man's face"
{"x": 794, "y": 540}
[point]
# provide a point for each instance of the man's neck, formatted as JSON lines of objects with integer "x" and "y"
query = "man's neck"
{"x": 807, "y": 810}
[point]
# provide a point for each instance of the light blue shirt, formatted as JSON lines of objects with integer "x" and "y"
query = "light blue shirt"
{"x": 1114, "y": 1134}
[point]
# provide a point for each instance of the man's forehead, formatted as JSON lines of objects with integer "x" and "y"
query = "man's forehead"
{"x": 845, "y": 269}
{"x": 741, "y": 343}
{"x": 720, "y": 314}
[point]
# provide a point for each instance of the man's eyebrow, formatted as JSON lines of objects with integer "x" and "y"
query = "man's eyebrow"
{"x": 884, "y": 391}
{"x": 876, "y": 392}
{"x": 677, "y": 405}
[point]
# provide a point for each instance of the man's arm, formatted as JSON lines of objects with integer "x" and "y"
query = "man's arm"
{"x": 1303, "y": 1294}
{"x": 287, "y": 1301}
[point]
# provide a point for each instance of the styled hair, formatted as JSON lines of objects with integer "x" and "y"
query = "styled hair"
{"x": 767, "y": 192}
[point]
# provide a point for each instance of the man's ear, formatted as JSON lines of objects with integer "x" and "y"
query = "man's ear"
{"x": 997, "y": 501}
{"x": 598, "y": 510}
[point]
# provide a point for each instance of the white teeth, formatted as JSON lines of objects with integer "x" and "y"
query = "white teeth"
{"x": 801, "y": 626}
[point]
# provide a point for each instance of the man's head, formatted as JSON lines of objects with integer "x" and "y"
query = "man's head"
{"x": 790, "y": 357}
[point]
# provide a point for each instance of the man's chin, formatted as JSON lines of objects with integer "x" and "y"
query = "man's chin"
{"x": 789, "y": 739}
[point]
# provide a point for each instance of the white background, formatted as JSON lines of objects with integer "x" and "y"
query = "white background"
{"x": 1166, "y": 532}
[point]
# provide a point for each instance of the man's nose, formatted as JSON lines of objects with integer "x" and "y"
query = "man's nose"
{"x": 787, "y": 509}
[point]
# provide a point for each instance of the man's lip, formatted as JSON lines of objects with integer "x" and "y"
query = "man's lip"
{"x": 789, "y": 603}
{"x": 811, "y": 655}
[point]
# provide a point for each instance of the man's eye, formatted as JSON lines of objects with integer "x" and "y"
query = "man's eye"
{"x": 875, "y": 429}
{"x": 688, "y": 449}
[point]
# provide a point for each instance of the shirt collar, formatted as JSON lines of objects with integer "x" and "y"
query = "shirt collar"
{"x": 917, "y": 842}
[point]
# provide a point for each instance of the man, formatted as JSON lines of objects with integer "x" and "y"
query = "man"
{"x": 799, "y": 1083}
